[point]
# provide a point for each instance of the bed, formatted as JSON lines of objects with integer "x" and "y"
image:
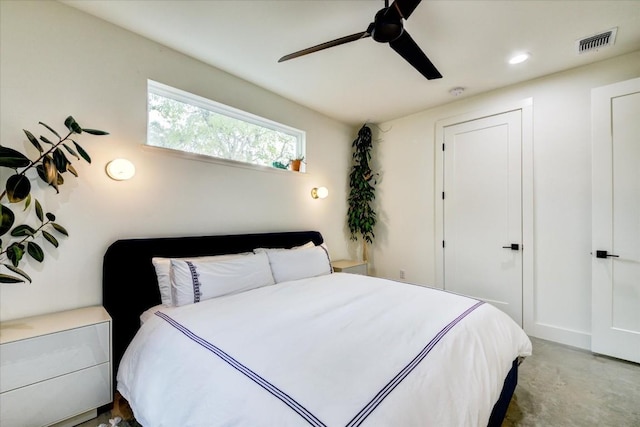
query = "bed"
{"x": 299, "y": 346}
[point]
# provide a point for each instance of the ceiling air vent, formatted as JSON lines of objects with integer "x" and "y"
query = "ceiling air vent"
{"x": 597, "y": 41}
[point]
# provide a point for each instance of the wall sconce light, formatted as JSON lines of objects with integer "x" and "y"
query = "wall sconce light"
{"x": 319, "y": 192}
{"x": 120, "y": 169}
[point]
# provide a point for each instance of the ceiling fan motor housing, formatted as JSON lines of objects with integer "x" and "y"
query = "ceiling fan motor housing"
{"x": 386, "y": 28}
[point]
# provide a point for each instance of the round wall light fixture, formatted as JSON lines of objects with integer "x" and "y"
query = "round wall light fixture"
{"x": 319, "y": 192}
{"x": 120, "y": 169}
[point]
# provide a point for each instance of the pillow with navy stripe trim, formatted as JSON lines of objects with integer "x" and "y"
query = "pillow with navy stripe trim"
{"x": 193, "y": 281}
{"x": 295, "y": 264}
{"x": 163, "y": 266}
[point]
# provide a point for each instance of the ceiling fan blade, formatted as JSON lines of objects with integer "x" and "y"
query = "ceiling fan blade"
{"x": 332, "y": 43}
{"x": 403, "y": 8}
{"x": 409, "y": 50}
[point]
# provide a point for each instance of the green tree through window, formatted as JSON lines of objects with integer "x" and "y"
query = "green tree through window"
{"x": 196, "y": 125}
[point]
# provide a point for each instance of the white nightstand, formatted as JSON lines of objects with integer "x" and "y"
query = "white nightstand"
{"x": 350, "y": 266}
{"x": 55, "y": 368}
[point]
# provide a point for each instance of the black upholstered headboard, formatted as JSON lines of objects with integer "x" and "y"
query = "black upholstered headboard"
{"x": 129, "y": 283}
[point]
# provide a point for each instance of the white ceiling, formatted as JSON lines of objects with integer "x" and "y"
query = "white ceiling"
{"x": 469, "y": 41}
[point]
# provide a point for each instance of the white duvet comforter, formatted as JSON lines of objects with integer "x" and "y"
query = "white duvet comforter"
{"x": 336, "y": 350}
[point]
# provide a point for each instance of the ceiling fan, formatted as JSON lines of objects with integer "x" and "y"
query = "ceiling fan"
{"x": 387, "y": 27}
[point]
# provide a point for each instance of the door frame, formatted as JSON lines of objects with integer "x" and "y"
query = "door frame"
{"x": 528, "y": 249}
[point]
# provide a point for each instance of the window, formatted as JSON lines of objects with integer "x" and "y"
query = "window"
{"x": 182, "y": 121}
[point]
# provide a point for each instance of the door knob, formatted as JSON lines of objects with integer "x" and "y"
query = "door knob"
{"x": 605, "y": 254}
{"x": 513, "y": 247}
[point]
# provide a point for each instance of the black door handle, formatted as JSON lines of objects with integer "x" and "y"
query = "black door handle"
{"x": 513, "y": 247}
{"x": 604, "y": 254}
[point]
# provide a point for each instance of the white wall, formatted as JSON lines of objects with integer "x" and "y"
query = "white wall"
{"x": 561, "y": 303}
{"x": 58, "y": 61}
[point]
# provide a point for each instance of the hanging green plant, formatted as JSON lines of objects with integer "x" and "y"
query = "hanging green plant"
{"x": 361, "y": 216}
{"x": 50, "y": 164}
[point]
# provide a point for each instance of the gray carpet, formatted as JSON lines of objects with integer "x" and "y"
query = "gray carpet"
{"x": 558, "y": 386}
{"x": 563, "y": 386}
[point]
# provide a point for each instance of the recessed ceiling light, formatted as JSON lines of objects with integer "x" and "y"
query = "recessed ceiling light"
{"x": 517, "y": 59}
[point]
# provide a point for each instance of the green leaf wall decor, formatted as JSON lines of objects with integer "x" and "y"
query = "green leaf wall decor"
{"x": 50, "y": 165}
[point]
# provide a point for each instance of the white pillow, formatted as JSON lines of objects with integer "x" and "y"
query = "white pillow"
{"x": 299, "y": 263}
{"x": 162, "y": 266}
{"x": 307, "y": 245}
{"x": 195, "y": 281}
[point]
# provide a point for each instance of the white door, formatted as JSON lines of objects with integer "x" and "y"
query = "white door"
{"x": 616, "y": 220}
{"x": 483, "y": 210}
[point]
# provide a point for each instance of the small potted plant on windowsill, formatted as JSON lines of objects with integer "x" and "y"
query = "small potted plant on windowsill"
{"x": 279, "y": 165}
{"x": 295, "y": 163}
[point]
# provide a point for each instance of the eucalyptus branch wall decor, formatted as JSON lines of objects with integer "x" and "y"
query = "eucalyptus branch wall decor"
{"x": 51, "y": 162}
{"x": 361, "y": 216}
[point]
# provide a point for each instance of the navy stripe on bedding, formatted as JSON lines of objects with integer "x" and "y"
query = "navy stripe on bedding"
{"x": 284, "y": 397}
{"x": 382, "y": 394}
{"x": 361, "y": 416}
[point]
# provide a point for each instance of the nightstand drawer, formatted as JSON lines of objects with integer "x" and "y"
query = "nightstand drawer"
{"x": 57, "y": 399}
{"x": 37, "y": 359}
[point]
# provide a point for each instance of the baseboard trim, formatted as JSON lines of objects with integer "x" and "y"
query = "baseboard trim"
{"x": 561, "y": 335}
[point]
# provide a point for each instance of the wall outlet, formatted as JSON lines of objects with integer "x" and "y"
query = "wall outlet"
{"x": 402, "y": 274}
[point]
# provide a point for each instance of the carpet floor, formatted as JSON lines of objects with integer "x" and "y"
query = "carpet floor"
{"x": 563, "y": 386}
{"x": 558, "y": 386}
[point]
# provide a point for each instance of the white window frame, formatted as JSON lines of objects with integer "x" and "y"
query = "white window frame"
{"x": 179, "y": 95}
